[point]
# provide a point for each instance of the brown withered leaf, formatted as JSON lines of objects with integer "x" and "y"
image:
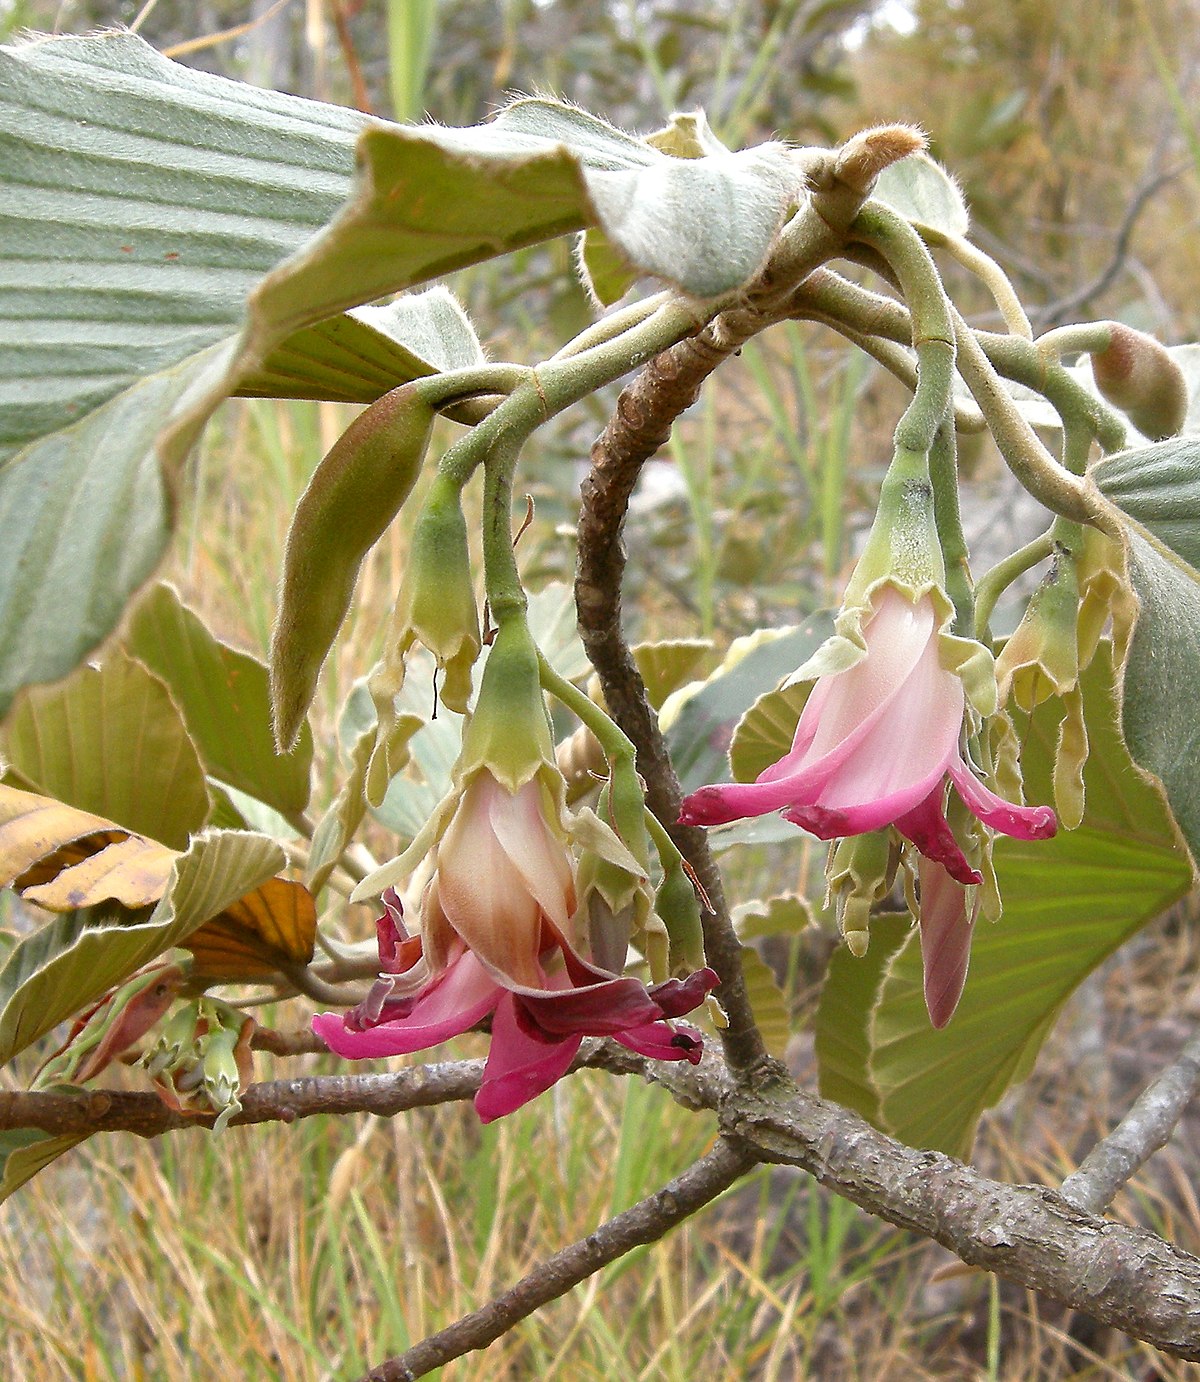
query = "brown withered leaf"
{"x": 62, "y": 859}
{"x": 271, "y": 927}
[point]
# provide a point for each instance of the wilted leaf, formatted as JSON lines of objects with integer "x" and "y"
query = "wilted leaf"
{"x": 64, "y": 860}
{"x": 266, "y": 930}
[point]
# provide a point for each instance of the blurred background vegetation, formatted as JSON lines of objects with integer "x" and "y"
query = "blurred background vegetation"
{"x": 314, "y": 1251}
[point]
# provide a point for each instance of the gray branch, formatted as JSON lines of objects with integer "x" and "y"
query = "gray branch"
{"x": 1147, "y": 1126}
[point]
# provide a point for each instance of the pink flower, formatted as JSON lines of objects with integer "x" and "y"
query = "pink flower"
{"x": 875, "y": 746}
{"x": 494, "y": 922}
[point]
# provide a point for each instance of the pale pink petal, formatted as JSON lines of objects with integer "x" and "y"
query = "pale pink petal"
{"x": 945, "y": 940}
{"x": 887, "y": 730}
{"x": 481, "y": 892}
{"x": 533, "y": 850}
{"x": 926, "y": 826}
{"x": 461, "y": 998}
{"x": 520, "y": 1066}
{"x": 897, "y": 636}
{"x": 1022, "y": 822}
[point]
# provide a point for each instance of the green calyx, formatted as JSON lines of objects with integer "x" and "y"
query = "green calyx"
{"x": 509, "y": 731}
{"x": 1041, "y": 659}
{"x": 902, "y": 546}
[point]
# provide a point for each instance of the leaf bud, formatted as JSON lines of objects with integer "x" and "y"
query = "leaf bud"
{"x": 1137, "y": 375}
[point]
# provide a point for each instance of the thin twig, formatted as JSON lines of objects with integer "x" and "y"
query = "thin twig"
{"x": 1147, "y": 1126}
{"x": 646, "y": 1222}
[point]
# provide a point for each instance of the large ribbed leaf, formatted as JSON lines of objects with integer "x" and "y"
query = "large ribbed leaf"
{"x": 110, "y": 740}
{"x": 171, "y": 238}
{"x": 1068, "y": 904}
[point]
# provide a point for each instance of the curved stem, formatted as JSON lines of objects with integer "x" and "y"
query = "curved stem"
{"x": 990, "y": 274}
{"x": 933, "y": 333}
{"x": 993, "y": 583}
{"x": 943, "y": 474}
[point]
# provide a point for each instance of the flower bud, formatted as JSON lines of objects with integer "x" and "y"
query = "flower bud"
{"x": 1137, "y": 375}
{"x": 202, "y": 1061}
{"x": 860, "y": 873}
{"x": 436, "y": 604}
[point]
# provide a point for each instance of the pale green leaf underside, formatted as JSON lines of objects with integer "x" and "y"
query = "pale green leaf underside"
{"x": 171, "y": 238}
{"x": 73, "y": 960}
{"x": 1159, "y": 488}
{"x": 921, "y": 190}
{"x": 26, "y": 1151}
{"x": 1068, "y": 903}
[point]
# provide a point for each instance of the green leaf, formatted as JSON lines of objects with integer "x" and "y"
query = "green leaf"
{"x": 843, "y": 1023}
{"x": 1159, "y": 487}
{"x": 1159, "y": 713}
{"x": 176, "y": 238}
{"x": 368, "y": 351}
{"x": 768, "y": 1002}
{"x": 784, "y": 915}
{"x": 765, "y": 732}
{"x": 110, "y": 740}
{"x": 667, "y": 664}
{"x": 1068, "y": 904}
{"x": 78, "y": 957}
{"x": 699, "y": 723}
{"x": 26, "y": 1151}
{"x": 925, "y": 193}
{"x": 222, "y": 694}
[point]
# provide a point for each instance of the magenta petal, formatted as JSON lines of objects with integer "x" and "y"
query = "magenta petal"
{"x": 602, "y": 1009}
{"x": 678, "y": 996}
{"x": 519, "y": 1066}
{"x": 1021, "y": 822}
{"x": 926, "y": 826}
{"x": 461, "y": 998}
{"x": 661, "y": 1041}
{"x": 946, "y": 930}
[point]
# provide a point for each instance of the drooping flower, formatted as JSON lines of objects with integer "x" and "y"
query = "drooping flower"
{"x": 543, "y": 997}
{"x": 503, "y": 929}
{"x": 875, "y": 746}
